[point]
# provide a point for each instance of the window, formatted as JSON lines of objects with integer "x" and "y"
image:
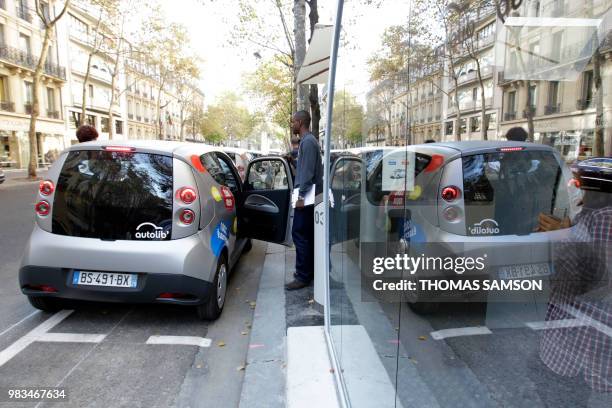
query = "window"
{"x": 231, "y": 179}
{"x": 51, "y": 101}
{"x": 475, "y": 124}
{"x": 24, "y": 43}
{"x": 118, "y": 127}
{"x": 75, "y": 119}
{"x": 78, "y": 28}
{"x": 1, "y": 33}
{"x": 91, "y": 120}
{"x": 29, "y": 93}
{"x": 533, "y": 95}
{"x": 511, "y": 102}
{"x": 211, "y": 164}
{"x": 104, "y": 125}
{"x": 449, "y": 128}
{"x": 91, "y": 90}
{"x": 3, "y": 89}
{"x": 463, "y": 127}
{"x": 553, "y": 95}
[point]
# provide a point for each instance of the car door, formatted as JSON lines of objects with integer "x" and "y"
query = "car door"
{"x": 264, "y": 206}
{"x": 346, "y": 191}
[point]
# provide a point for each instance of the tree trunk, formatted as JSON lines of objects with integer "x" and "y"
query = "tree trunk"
{"x": 299, "y": 32}
{"x": 529, "y": 113}
{"x": 598, "y": 148}
{"x": 84, "y": 92}
{"x": 457, "y": 128}
{"x": 315, "y": 109}
{"x": 33, "y": 165}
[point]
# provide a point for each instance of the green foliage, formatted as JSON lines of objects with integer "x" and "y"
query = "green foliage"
{"x": 227, "y": 119}
{"x": 348, "y": 118}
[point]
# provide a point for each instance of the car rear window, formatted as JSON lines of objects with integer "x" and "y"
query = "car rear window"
{"x": 114, "y": 196}
{"x": 505, "y": 193}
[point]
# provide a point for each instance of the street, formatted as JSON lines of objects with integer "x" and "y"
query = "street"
{"x": 100, "y": 353}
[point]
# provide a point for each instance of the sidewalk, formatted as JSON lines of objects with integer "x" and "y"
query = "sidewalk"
{"x": 14, "y": 176}
{"x": 280, "y": 367}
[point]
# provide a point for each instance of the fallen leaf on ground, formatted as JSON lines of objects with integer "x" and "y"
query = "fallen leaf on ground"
{"x": 244, "y": 333}
{"x": 253, "y": 304}
{"x": 198, "y": 366}
{"x": 221, "y": 344}
{"x": 311, "y": 301}
{"x": 241, "y": 368}
{"x": 422, "y": 338}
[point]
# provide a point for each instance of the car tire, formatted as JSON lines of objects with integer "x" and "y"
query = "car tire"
{"x": 424, "y": 308}
{"x": 247, "y": 246}
{"x": 213, "y": 306}
{"x": 46, "y": 304}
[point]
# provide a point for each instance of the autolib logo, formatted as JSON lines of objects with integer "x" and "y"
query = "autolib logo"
{"x": 485, "y": 227}
{"x": 157, "y": 233}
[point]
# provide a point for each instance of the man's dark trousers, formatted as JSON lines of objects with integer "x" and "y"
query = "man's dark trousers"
{"x": 303, "y": 238}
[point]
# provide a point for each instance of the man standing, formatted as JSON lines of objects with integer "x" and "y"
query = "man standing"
{"x": 309, "y": 175}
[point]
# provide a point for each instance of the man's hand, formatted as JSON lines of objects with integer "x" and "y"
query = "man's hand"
{"x": 299, "y": 204}
{"x": 550, "y": 223}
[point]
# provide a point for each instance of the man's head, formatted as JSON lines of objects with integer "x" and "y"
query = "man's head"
{"x": 430, "y": 141}
{"x": 86, "y": 133}
{"x": 300, "y": 123}
{"x": 517, "y": 134}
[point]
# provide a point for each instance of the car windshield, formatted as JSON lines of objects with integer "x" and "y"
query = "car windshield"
{"x": 114, "y": 196}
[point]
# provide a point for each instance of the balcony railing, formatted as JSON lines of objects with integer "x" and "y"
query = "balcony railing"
{"x": 582, "y": 104}
{"x": 25, "y": 59}
{"x": 24, "y": 15}
{"x": 510, "y": 116}
{"x": 552, "y": 109}
{"x": 27, "y": 108}
{"x": 7, "y": 106}
{"x": 53, "y": 114}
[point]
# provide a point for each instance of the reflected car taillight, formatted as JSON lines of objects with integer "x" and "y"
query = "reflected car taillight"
{"x": 187, "y": 216}
{"x": 451, "y": 214}
{"x": 187, "y": 195}
{"x": 46, "y": 187}
{"x": 450, "y": 193}
{"x": 42, "y": 208}
{"x": 574, "y": 183}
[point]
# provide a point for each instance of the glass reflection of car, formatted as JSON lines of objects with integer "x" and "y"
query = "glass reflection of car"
{"x": 398, "y": 174}
{"x": 597, "y": 170}
{"x": 240, "y": 157}
{"x": 468, "y": 198}
{"x": 147, "y": 222}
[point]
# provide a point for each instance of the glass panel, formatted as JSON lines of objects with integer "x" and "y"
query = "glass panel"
{"x": 268, "y": 175}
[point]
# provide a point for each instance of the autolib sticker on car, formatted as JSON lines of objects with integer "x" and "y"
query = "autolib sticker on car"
{"x": 228, "y": 198}
{"x": 413, "y": 232}
{"x": 219, "y": 237}
{"x": 485, "y": 227}
{"x": 214, "y": 191}
{"x": 148, "y": 230}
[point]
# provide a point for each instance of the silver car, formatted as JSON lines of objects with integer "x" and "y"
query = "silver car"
{"x": 149, "y": 222}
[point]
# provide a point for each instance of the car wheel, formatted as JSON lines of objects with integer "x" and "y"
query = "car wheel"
{"x": 213, "y": 307}
{"x": 46, "y": 304}
{"x": 247, "y": 246}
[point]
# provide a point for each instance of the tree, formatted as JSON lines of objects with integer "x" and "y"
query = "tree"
{"x": 299, "y": 33}
{"x": 348, "y": 119}
{"x": 43, "y": 10}
{"x": 315, "y": 108}
{"x": 228, "y": 120}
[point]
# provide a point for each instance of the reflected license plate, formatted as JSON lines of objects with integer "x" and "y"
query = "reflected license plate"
{"x": 524, "y": 271}
{"x": 116, "y": 280}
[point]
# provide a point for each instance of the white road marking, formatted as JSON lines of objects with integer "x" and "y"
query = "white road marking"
{"x": 180, "y": 340}
{"x": 72, "y": 338}
{"x": 19, "y": 345}
{"x": 19, "y": 322}
{"x": 555, "y": 324}
{"x": 461, "y": 331}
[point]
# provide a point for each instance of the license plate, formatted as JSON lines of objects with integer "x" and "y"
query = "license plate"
{"x": 116, "y": 280}
{"x": 524, "y": 271}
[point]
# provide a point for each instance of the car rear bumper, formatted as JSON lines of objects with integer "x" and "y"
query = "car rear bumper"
{"x": 150, "y": 286}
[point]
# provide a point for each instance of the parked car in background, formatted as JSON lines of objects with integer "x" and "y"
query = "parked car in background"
{"x": 598, "y": 171}
{"x": 240, "y": 157}
{"x": 148, "y": 222}
{"x": 2, "y": 176}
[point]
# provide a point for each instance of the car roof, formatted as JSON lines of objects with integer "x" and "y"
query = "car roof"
{"x": 181, "y": 149}
{"x": 471, "y": 146}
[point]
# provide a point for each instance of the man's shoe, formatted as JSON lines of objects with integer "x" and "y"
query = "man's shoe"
{"x": 295, "y": 285}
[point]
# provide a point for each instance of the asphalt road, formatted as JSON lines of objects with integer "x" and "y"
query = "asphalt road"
{"x": 99, "y": 353}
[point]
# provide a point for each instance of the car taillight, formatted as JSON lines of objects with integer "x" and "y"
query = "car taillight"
{"x": 43, "y": 208}
{"x": 452, "y": 214}
{"x": 450, "y": 193}
{"x": 42, "y": 288}
{"x": 120, "y": 149}
{"x": 228, "y": 198}
{"x": 187, "y": 216}
{"x": 511, "y": 149}
{"x": 46, "y": 187}
{"x": 187, "y": 195}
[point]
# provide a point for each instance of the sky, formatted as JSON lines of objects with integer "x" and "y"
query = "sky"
{"x": 210, "y": 24}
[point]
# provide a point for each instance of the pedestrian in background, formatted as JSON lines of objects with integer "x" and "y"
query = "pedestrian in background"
{"x": 86, "y": 133}
{"x": 309, "y": 175}
{"x": 517, "y": 134}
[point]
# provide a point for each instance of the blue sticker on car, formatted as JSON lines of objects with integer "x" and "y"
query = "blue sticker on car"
{"x": 219, "y": 237}
{"x": 413, "y": 232}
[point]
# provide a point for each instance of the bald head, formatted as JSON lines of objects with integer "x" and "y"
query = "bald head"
{"x": 301, "y": 122}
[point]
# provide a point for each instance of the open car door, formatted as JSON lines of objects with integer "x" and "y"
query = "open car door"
{"x": 264, "y": 210}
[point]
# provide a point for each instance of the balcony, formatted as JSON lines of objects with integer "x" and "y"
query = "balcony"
{"x": 27, "y": 108}
{"x": 529, "y": 111}
{"x": 24, "y": 15}
{"x": 552, "y": 109}
{"x": 583, "y": 104}
{"x": 53, "y": 114}
{"x": 509, "y": 116}
{"x": 139, "y": 118}
{"x": 130, "y": 116}
{"x": 24, "y": 59}
{"x": 7, "y": 106}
